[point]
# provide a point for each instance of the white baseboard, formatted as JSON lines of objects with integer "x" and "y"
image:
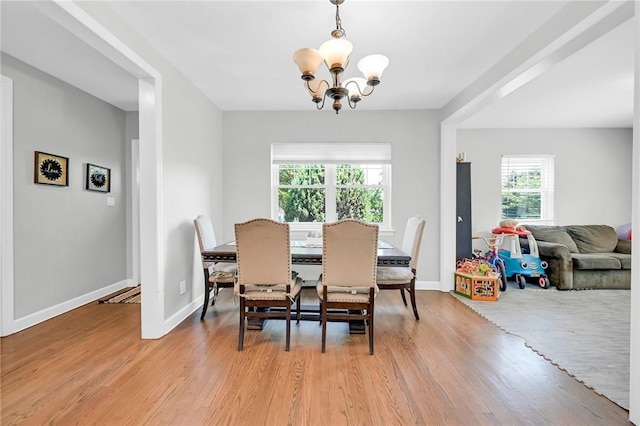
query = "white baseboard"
{"x": 175, "y": 319}
{"x": 30, "y": 320}
{"x": 428, "y": 285}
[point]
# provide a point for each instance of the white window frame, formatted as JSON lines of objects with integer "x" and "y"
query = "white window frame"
{"x": 330, "y": 155}
{"x": 547, "y": 190}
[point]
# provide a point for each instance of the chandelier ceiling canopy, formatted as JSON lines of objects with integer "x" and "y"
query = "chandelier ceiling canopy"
{"x": 335, "y": 54}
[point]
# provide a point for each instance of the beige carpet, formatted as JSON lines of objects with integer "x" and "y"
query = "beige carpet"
{"x": 585, "y": 333}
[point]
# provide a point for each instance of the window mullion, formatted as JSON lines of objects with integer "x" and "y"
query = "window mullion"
{"x": 275, "y": 185}
{"x": 330, "y": 192}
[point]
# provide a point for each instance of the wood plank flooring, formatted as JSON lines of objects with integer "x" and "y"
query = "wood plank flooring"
{"x": 452, "y": 367}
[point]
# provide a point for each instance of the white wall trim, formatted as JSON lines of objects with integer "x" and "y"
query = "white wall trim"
{"x": 151, "y": 209}
{"x": 428, "y": 285}
{"x": 6, "y": 207}
{"x": 634, "y": 354}
{"x": 175, "y": 319}
{"x": 66, "y": 306}
{"x": 448, "y": 148}
{"x": 134, "y": 211}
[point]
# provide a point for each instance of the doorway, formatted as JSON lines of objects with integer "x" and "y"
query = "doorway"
{"x": 149, "y": 265}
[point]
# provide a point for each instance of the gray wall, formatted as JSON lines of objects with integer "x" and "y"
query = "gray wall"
{"x": 67, "y": 241}
{"x": 592, "y": 172}
{"x": 192, "y": 174}
{"x": 415, "y": 139}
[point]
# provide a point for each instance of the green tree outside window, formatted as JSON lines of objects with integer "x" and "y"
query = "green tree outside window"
{"x": 302, "y": 193}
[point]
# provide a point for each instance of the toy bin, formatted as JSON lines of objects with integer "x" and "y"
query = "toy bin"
{"x": 477, "y": 287}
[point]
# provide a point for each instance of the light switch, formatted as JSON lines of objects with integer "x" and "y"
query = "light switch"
{"x": 111, "y": 202}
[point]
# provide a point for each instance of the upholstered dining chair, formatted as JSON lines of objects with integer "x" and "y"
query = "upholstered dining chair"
{"x": 404, "y": 279}
{"x": 217, "y": 275}
{"x": 264, "y": 278}
{"x": 347, "y": 287}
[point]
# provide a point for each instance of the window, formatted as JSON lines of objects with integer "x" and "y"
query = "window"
{"x": 527, "y": 187}
{"x": 325, "y": 182}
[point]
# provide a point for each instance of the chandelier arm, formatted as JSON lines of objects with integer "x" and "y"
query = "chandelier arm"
{"x": 323, "y": 81}
{"x": 320, "y": 105}
{"x": 353, "y": 83}
{"x": 363, "y": 94}
{"x": 315, "y": 98}
{"x": 370, "y": 92}
{"x": 352, "y": 105}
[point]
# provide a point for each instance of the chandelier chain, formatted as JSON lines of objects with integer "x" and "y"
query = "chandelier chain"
{"x": 339, "y": 29}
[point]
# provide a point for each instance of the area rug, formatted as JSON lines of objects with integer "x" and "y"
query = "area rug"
{"x": 126, "y": 295}
{"x": 585, "y": 333}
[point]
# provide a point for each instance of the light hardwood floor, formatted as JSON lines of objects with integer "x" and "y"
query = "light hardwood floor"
{"x": 90, "y": 366}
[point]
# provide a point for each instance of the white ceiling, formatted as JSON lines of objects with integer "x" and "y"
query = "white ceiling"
{"x": 591, "y": 88}
{"x": 239, "y": 53}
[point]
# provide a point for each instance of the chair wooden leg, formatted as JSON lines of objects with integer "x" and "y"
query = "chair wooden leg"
{"x": 288, "y": 328}
{"x": 324, "y": 320}
{"x": 215, "y": 294}
{"x": 206, "y": 301}
{"x": 241, "y": 330}
{"x": 404, "y": 299}
{"x": 413, "y": 298}
{"x": 299, "y": 301}
{"x": 370, "y": 312}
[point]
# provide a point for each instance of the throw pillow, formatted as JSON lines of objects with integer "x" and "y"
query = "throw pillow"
{"x": 594, "y": 238}
{"x": 557, "y": 236}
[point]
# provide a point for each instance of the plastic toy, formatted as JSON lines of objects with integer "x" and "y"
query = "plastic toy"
{"x": 492, "y": 258}
{"x": 519, "y": 265}
{"x": 624, "y": 232}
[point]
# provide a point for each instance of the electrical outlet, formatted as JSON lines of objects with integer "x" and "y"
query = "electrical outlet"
{"x": 183, "y": 287}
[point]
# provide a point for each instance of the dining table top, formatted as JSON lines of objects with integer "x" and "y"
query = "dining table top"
{"x": 303, "y": 253}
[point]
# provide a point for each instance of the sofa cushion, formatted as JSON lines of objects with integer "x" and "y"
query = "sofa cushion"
{"x": 624, "y": 246}
{"x": 625, "y": 259}
{"x": 595, "y": 261}
{"x": 593, "y": 238}
{"x": 534, "y": 228}
{"x": 558, "y": 236}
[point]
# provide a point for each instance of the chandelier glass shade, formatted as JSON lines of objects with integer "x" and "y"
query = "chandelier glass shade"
{"x": 335, "y": 55}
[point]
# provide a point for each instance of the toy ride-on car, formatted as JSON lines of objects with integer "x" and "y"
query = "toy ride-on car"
{"x": 518, "y": 265}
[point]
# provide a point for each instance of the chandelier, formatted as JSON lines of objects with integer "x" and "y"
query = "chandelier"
{"x": 335, "y": 54}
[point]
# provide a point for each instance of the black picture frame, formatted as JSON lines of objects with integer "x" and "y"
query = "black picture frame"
{"x": 98, "y": 178}
{"x": 50, "y": 169}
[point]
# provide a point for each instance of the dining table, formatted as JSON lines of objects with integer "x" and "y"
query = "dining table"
{"x": 309, "y": 252}
{"x": 305, "y": 253}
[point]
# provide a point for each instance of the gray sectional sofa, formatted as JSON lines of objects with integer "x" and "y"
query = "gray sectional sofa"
{"x": 583, "y": 256}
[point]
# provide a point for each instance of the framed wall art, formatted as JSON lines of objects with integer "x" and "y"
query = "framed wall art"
{"x": 51, "y": 169}
{"x": 98, "y": 178}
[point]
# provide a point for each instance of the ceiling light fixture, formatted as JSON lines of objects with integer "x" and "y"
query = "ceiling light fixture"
{"x": 335, "y": 54}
